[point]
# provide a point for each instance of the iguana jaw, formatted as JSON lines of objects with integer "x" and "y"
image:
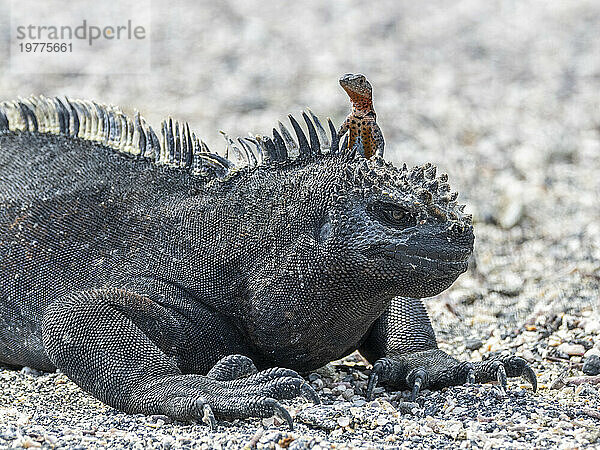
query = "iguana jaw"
{"x": 430, "y": 256}
{"x": 432, "y": 267}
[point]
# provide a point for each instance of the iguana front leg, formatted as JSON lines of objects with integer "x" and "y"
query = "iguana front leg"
{"x": 129, "y": 351}
{"x": 344, "y": 127}
{"x": 402, "y": 347}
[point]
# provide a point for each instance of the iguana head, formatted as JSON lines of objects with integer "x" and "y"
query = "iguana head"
{"x": 396, "y": 230}
{"x": 358, "y": 89}
{"x": 361, "y": 224}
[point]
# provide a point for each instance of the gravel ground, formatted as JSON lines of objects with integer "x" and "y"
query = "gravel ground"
{"x": 501, "y": 95}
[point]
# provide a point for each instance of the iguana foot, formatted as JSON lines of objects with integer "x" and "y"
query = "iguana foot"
{"x": 231, "y": 390}
{"x": 435, "y": 369}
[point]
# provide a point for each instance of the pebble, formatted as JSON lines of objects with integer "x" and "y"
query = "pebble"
{"x": 29, "y": 371}
{"x": 592, "y": 326}
{"x": 30, "y": 443}
{"x": 382, "y": 421}
{"x": 268, "y": 421}
{"x": 339, "y": 389}
{"x": 571, "y": 349}
{"x": 348, "y": 394}
{"x": 591, "y": 366}
{"x": 313, "y": 377}
{"x": 167, "y": 442}
{"x": 592, "y": 351}
{"x": 511, "y": 212}
{"x": 317, "y": 384}
{"x": 343, "y": 421}
{"x": 473, "y": 343}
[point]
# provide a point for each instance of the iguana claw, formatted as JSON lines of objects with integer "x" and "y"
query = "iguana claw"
{"x": 204, "y": 412}
{"x": 503, "y": 367}
{"x": 208, "y": 417}
{"x": 420, "y": 377}
{"x": 309, "y": 393}
{"x": 373, "y": 379}
{"x": 501, "y": 375}
{"x": 235, "y": 395}
{"x": 471, "y": 376}
{"x": 529, "y": 375}
{"x": 280, "y": 411}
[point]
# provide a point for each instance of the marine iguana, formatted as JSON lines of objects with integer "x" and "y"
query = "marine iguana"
{"x": 362, "y": 120}
{"x": 164, "y": 279}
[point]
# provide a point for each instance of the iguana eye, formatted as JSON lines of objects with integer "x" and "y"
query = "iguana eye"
{"x": 396, "y": 216}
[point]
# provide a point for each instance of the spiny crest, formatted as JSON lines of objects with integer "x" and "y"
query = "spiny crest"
{"x": 429, "y": 192}
{"x": 109, "y": 126}
{"x": 177, "y": 146}
{"x": 282, "y": 147}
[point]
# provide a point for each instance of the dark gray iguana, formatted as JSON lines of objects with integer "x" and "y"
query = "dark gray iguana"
{"x": 159, "y": 277}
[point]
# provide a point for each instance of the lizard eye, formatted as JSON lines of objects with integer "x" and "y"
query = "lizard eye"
{"x": 395, "y": 216}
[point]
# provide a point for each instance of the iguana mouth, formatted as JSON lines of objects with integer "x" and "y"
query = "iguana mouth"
{"x": 452, "y": 256}
{"x": 434, "y": 267}
{"x": 435, "y": 263}
{"x": 404, "y": 252}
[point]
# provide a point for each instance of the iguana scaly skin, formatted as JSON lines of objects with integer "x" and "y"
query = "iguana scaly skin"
{"x": 361, "y": 123}
{"x": 161, "y": 277}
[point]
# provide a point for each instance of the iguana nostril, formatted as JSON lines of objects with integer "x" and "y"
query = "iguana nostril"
{"x": 325, "y": 231}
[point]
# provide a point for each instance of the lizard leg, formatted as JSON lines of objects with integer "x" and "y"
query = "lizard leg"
{"x": 343, "y": 128}
{"x": 129, "y": 351}
{"x": 366, "y": 136}
{"x": 194, "y": 397}
{"x": 402, "y": 347}
{"x": 379, "y": 142}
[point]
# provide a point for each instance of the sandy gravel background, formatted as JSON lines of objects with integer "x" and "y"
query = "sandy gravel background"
{"x": 502, "y": 95}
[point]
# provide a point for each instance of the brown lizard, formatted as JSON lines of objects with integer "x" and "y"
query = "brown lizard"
{"x": 361, "y": 122}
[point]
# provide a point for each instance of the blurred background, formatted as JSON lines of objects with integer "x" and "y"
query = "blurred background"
{"x": 502, "y": 95}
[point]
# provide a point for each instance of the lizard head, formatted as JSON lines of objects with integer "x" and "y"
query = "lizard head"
{"x": 397, "y": 230}
{"x": 358, "y": 89}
